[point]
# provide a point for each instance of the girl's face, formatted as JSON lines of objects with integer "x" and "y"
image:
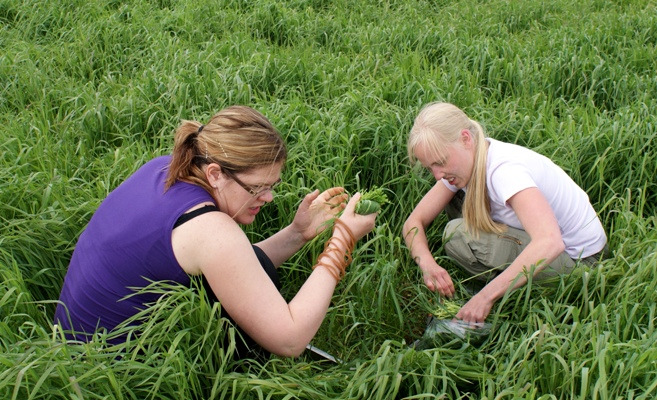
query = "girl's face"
{"x": 242, "y": 194}
{"x": 455, "y": 166}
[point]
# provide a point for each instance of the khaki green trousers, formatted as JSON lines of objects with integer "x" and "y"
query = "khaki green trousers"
{"x": 489, "y": 254}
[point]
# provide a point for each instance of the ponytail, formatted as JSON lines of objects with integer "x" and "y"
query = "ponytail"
{"x": 185, "y": 165}
{"x": 476, "y": 206}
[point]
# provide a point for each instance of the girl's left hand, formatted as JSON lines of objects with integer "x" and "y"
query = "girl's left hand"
{"x": 475, "y": 310}
{"x": 317, "y": 209}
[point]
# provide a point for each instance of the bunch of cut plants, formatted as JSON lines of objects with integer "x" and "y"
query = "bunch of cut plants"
{"x": 443, "y": 328}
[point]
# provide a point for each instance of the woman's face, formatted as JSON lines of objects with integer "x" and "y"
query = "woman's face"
{"x": 242, "y": 194}
{"x": 455, "y": 166}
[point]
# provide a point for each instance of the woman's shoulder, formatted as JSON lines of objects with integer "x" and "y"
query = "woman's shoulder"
{"x": 210, "y": 235}
{"x": 157, "y": 162}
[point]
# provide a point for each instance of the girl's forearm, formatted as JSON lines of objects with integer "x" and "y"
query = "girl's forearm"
{"x": 529, "y": 258}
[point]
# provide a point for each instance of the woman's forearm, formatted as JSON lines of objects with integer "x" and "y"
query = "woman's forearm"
{"x": 282, "y": 245}
{"x": 308, "y": 308}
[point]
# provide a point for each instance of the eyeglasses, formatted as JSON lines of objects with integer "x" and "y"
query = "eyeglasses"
{"x": 255, "y": 191}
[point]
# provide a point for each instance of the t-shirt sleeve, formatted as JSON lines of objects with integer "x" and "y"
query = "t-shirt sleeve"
{"x": 448, "y": 186}
{"x": 508, "y": 179}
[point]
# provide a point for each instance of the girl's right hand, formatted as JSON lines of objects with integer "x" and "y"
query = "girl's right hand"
{"x": 438, "y": 280}
{"x": 360, "y": 225}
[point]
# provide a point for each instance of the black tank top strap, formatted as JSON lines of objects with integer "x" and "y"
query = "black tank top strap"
{"x": 194, "y": 213}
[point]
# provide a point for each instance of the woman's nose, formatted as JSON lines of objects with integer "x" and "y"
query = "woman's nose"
{"x": 267, "y": 196}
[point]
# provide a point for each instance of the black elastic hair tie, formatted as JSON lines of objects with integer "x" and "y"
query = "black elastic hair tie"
{"x": 200, "y": 128}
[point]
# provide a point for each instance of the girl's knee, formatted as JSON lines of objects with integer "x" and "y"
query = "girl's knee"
{"x": 454, "y": 227}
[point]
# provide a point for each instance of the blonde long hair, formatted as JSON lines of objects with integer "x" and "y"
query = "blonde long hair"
{"x": 238, "y": 138}
{"x": 438, "y": 126}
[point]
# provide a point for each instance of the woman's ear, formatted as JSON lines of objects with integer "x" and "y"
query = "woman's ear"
{"x": 213, "y": 174}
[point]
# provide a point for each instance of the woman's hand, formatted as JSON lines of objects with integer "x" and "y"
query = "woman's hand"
{"x": 476, "y": 309}
{"x": 316, "y": 210}
{"x": 437, "y": 279}
{"x": 360, "y": 225}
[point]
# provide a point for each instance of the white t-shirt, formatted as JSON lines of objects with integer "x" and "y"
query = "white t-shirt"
{"x": 511, "y": 168}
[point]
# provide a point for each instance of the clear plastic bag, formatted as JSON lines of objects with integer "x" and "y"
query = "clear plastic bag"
{"x": 443, "y": 331}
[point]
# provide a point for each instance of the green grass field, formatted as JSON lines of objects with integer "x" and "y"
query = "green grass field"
{"x": 90, "y": 90}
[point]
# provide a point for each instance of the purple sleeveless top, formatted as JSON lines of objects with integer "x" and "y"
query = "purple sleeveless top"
{"x": 126, "y": 244}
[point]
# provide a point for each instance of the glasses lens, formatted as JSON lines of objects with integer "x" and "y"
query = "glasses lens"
{"x": 275, "y": 185}
{"x": 264, "y": 189}
{"x": 253, "y": 190}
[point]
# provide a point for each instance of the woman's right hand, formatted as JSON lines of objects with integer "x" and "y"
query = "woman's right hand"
{"x": 437, "y": 279}
{"x": 360, "y": 225}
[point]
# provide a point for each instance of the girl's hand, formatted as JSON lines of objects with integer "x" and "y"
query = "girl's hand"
{"x": 438, "y": 280}
{"x": 475, "y": 310}
{"x": 316, "y": 210}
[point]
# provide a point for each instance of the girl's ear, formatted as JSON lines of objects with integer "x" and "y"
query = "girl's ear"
{"x": 466, "y": 138}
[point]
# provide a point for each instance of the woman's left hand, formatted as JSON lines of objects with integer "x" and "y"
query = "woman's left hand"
{"x": 475, "y": 310}
{"x": 317, "y": 209}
